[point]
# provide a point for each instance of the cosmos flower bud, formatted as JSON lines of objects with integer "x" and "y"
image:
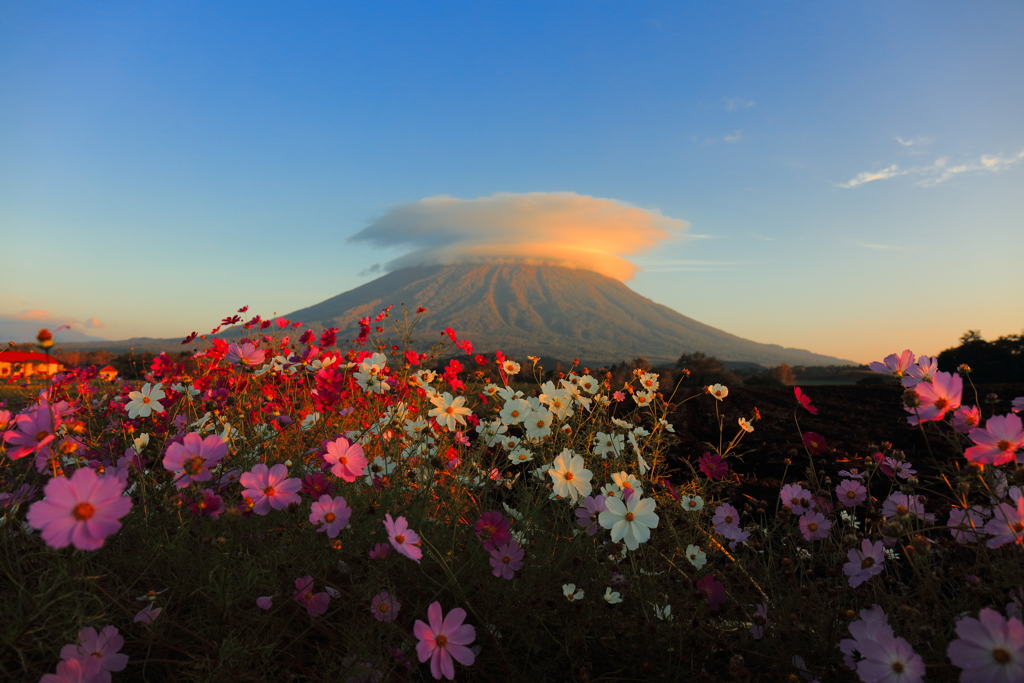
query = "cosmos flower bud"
{"x": 44, "y": 338}
{"x": 911, "y": 399}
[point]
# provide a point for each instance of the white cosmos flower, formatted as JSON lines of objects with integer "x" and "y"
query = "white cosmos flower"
{"x": 719, "y": 391}
{"x": 514, "y": 411}
{"x": 145, "y": 401}
{"x": 571, "y": 479}
{"x": 612, "y": 597}
{"x": 630, "y": 522}
{"x": 570, "y": 592}
{"x": 745, "y": 426}
{"x": 608, "y": 444}
{"x": 696, "y": 556}
{"x": 449, "y": 410}
{"x": 538, "y": 423}
{"x": 692, "y": 503}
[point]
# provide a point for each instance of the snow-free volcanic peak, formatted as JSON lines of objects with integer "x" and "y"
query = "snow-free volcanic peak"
{"x": 543, "y": 310}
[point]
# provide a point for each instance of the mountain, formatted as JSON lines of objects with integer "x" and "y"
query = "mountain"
{"x": 546, "y": 311}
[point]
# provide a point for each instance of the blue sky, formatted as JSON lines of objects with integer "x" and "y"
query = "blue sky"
{"x": 851, "y": 173}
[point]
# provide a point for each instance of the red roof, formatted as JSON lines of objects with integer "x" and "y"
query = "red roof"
{"x": 30, "y": 357}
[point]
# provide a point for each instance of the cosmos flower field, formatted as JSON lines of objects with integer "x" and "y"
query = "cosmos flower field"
{"x": 290, "y": 507}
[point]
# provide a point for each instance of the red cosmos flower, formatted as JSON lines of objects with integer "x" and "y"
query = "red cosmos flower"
{"x": 713, "y": 467}
{"x": 804, "y": 401}
{"x": 815, "y": 443}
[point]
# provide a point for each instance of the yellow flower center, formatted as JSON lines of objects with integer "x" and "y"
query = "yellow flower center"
{"x": 330, "y": 517}
{"x": 1001, "y": 656}
{"x": 441, "y": 640}
{"x": 867, "y": 562}
{"x": 83, "y": 511}
{"x": 629, "y": 517}
{"x": 268, "y": 491}
{"x": 193, "y": 465}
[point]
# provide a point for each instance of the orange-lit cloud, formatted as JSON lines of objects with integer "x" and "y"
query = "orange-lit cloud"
{"x": 539, "y": 228}
{"x": 33, "y": 314}
{"x": 94, "y": 323}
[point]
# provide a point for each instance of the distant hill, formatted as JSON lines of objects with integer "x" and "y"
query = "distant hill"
{"x": 546, "y": 311}
{"x": 25, "y": 331}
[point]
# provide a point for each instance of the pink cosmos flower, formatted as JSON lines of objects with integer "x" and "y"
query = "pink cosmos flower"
{"x": 804, "y": 401}
{"x": 1006, "y": 525}
{"x": 77, "y": 670}
{"x": 332, "y": 513}
{"x": 851, "y": 493}
{"x": 33, "y": 431}
{"x": 712, "y": 466}
{"x": 892, "y": 468}
{"x": 444, "y": 639}
{"x": 796, "y": 498}
{"x": 192, "y": 459}
{"x": 588, "y": 513}
{"x": 815, "y": 443}
{"x": 265, "y": 602}
{"x": 381, "y": 551}
{"x": 997, "y": 443}
{"x": 938, "y": 397}
{"x": 814, "y": 526}
{"x": 893, "y": 364}
{"x": 246, "y": 355}
{"x": 269, "y": 488}
{"x": 102, "y": 646}
{"x": 967, "y": 525}
{"x": 759, "y": 621}
{"x": 864, "y": 563}
{"x": 1017, "y": 404}
{"x": 726, "y": 520}
{"x": 872, "y": 626}
{"x": 922, "y": 371}
{"x": 713, "y": 590}
{"x": 891, "y": 660}
{"x": 82, "y": 510}
{"x": 493, "y": 530}
{"x": 403, "y": 539}
{"x": 315, "y": 603}
{"x": 346, "y": 458}
{"x": 507, "y": 560}
{"x": 900, "y": 504}
{"x": 966, "y": 418}
{"x": 990, "y": 649}
{"x": 147, "y": 614}
{"x": 385, "y": 607}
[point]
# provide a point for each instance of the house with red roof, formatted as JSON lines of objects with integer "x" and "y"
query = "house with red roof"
{"x": 28, "y": 364}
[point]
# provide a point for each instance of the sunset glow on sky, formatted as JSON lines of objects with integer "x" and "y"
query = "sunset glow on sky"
{"x": 846, "y": 178}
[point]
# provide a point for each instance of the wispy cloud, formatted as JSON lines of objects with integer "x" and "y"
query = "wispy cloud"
{"x": 95, "y": 323}
{"x": 879, "y": 247}
{"x": 939, "y": 171}
{"x": 737, "y": 103}
{"x": 32, "y": 314}
{"x": 915, "y": 142}
{"x": 871, "y": 176}
{"x": 735, "y": 137}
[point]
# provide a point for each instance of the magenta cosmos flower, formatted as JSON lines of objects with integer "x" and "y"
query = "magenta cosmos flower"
{"x": 192, "y": 459}
{"x": 713, "y": 590}
{"x": 1006, "y": 525}
{"x": 815, "y": 443}
{"x": 77, "y": 670}
{"x": 331, "y": 513}
{"x": 990, "y": 649}
{"x": 82, "y": 510}
{"x": 712, "y": 466}
{"x": 346, "y": 459}
{"x": 444, "y": 639}
{"x": 796, "y": 498}
{"x": 315, "y": 603}
{"x": 269, "y": 488}
{"x": 507, "y": 560}
{"x": 1002, "y": 436}
{"x": 492, "y": 529}
{"x": 403, "y": 539}
{"x": 893, "y": 364}
{"x": 102, "y": 647}
{"x": 385, "y": 607}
